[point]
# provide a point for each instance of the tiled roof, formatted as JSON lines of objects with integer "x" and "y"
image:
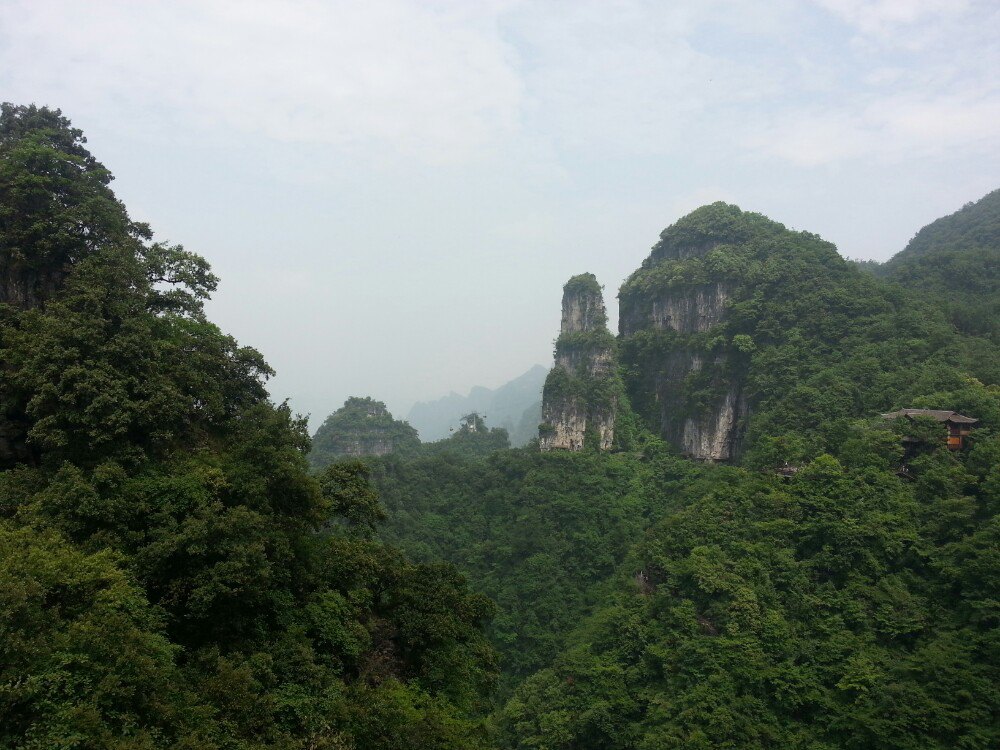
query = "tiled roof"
{"x": 939, "y": 414}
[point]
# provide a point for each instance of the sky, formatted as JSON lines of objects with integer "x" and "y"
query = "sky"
{"x": 393, "y": 192}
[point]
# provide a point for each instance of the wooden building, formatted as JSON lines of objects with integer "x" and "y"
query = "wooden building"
{"x": 959, "y": 426}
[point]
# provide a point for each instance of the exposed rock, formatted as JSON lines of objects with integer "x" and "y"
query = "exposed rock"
{"x": 685, "y": 309}
{"x": 582, "y": 306}
{"x": 696, "y": 310}
{"x": 693, "y": 397}
{"x": 582, "y": 391}
{"x": 715, "y": 434}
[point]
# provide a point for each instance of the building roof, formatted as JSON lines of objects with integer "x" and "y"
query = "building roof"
{"x": 937, "y": 414}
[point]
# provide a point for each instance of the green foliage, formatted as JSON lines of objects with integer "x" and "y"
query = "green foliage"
{"x": 473, "y": 439}
{"x": 584, "y": 283}
{"x": 842, "y": 603}
{"x": 815, "y": 343}
{"x": 56, "y": 208}
{"x": 171, "y": 574}
{"x": 538, "y": 533}
{"x": 83, "y": 658}
{"x": 345, "y": 484}
{"x": 956, "y": 259}
{"x": 829, "y": 610}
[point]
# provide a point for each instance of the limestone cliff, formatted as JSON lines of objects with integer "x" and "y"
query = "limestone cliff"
{"x": 582, "y": 392}
{"x": 686, "y": 378}
{"x": 361, "y": 427}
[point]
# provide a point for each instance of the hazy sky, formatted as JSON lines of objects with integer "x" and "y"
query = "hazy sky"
{"x": 394, "y": 192}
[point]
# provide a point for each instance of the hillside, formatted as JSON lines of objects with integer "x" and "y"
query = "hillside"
{"x": 957, "y": 260}
{"x": 814, "y": 596}
{"x": 722, "y": 537}
{"x": 171, "y": 574}
{"x": 742, "y": 340}
{"x": 361, "y": 427}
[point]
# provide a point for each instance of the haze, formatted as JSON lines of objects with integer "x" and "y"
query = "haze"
{"x": 393, "y": 193}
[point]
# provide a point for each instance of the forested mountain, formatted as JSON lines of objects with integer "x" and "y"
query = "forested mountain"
{"x": 723, "y": 537}
{"x": 361, "y": 427}
{"x": 835, "y": 588}
{"x": 956, "y": 259}
{"x": 171, "y": 574}
{"x": 515, "y": 406}
{"x": 742, "y": 339}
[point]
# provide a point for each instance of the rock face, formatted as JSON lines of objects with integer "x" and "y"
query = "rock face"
{"x": 361, "y": 427}
{"x": 684, "y": 380}
{"x": 711, "y": 431}
{"x": 582, "y": 391}
{"x": 692, "y": 310}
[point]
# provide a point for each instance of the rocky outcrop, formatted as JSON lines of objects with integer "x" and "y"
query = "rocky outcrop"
{"x": 691, "y": 309}
{"x": 686, "y": 379}
{"x": 715, "y": 434}
{"x": 582, "y": 391}
{"x": 361, "y": 427}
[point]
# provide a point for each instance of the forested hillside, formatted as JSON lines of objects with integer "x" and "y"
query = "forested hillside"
{"x": 171, "y": 575}
{"x": 836, "y": 588}
{"x": 757, "y": 557}
{"x": 743, "y": 340}
{"x": 956, "y": 259}
{"x": 361, "y": 427}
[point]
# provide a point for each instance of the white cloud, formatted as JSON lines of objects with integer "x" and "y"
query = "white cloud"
{"x": 888, "y": 129}
{"x": 429, "y": 79}
{"x": 884, "y": 17}
{"x": 454, "y": 81}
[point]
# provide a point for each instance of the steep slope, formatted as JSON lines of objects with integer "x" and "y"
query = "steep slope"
{"x": 957, "y": 259}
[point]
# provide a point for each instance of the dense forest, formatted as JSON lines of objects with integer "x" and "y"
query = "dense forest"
{"x": 171, "y": 573}
{"x": 759, "y": 558}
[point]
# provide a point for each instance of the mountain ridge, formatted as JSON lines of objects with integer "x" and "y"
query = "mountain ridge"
{"x": 514, "y": 406}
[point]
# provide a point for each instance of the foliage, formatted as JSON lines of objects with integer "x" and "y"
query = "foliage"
{"x": 647, "y": 602}
{"x": 172, "y": 574}
{"x": 808, "y": 340}
{"x": 842, "y": 608}
{"x": 957, "y": 260}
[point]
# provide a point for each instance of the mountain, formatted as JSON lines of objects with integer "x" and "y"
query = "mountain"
{"x": 361, "y": 427}
{"x": 514, "y": 406}
{"x": 957, "y": 260}
{"x": 737, "y": 334}
{"x": 728, "y": 534}
{"x": 819, "y": 577}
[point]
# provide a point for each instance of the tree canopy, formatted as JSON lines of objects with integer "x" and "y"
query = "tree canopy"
{"x": 173, "y": 575}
